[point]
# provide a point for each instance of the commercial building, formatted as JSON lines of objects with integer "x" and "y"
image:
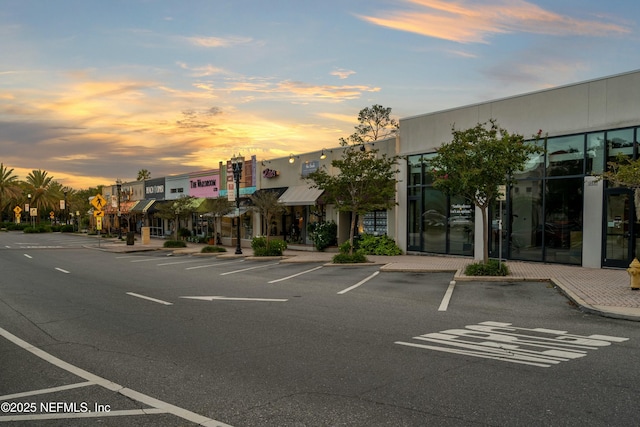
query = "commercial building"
{"x": 558, "y": 211}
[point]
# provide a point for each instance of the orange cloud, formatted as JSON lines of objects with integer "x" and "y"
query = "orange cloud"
{"x": 468, "y": 22}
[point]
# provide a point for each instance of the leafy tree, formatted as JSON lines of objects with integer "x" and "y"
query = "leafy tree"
{"x": 267, "y": 205}
{"x": 217, "y": 207}
{"x": 477, "y": 161}
{"x": 375, "y": 124}
{"x": 143, "y": 174}
{"x": 9, "y": 188}
{"x": 367, "y": 181}
{"x": 178, "y": 209}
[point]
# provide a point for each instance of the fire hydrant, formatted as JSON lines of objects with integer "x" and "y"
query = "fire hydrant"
{"x": 634, "y": 274}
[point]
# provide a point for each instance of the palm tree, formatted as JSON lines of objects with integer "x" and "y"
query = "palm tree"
{"x": 143, "y": 174}
{"x": 9, "y": 188}
{"x": 44, "y": 191}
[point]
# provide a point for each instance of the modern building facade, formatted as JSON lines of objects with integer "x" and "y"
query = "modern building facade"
{"x": 559, "y": 211}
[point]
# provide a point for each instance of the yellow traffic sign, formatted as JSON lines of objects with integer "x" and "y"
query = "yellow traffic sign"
{"x": 99, "y": 223}
{"x": 98, "y": 202}
{"x": 52, "y": 215}
{"x": 17, "y": 210}
{"x": 98, "y": 214}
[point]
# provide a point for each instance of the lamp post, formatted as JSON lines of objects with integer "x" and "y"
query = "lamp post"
{"x": 119, "y": 188}
{"x": 29, "y": 209}
{"x": 236, "y": 164}
{"x": 66, "y": 210}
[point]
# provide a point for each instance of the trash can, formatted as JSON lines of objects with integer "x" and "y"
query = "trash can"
{"x": 131, "y": 237}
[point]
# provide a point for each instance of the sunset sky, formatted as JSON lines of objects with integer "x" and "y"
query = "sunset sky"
{"x": 95, "y": 90}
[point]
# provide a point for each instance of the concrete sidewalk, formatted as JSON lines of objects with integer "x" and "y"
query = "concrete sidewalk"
{"x": 605, "y": 292}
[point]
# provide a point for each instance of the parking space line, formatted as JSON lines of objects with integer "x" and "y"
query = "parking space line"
{"x": 250, "y": 268}
{"x": 213, "y": 265}
{"x": 159, "y": 301}
{"x": 447, "y": 296}
{"x": 158, "y": 405}
{"x": 295, "y": 275}
{"x": 179, "y": 262}
{"x": 46, "y": 390}
{"x": 62, "y": 270}
{"x": 363, "y": 281}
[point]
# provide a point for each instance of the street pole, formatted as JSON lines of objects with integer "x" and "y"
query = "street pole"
{"x": 236, "y": 164}
{"x": 119, "y": 187}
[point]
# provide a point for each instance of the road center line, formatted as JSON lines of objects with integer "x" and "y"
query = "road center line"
{"x": 447, "y": 296}
{"x": 61, "y": 270}
{"x": 159, "y": 301}
{"x": 294, "y": 275}
{"x": 362, "y": 282}
{"x": 247, "y": 269}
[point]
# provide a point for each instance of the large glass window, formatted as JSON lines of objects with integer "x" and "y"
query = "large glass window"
{"x": 619, "y": 142}
{"x": 534, "y": 167}
{"x": 565, "y": 155}
{"x": 415, "y": 170}
{"x": 595, "y": 153}
{"x": 461, "y": 226}
{"x": 526, "y": 221}
{"x": 434, "y": 221}
{"x": 563, "y": 221}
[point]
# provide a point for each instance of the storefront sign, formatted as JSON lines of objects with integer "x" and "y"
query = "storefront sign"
{"x": 310, "y": 167}
{"x": 270, "y": 173}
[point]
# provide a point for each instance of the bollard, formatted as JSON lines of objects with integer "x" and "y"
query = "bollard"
{"x": 634, "y": 274}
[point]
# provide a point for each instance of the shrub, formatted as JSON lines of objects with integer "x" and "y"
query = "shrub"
{"x": 345, "y": 258}
{"x": 274, "y": 248}
{"x": 184, "y": 233}
{"x": 68, "y": 228}
{"x": 212, "y": 249}
{"x": 175, "y": 244}
{"x": 323, "y": 234}
{"x": 378, "y": 245}
{"x": 37, "y": 229}
{"x": 492, "y": 268}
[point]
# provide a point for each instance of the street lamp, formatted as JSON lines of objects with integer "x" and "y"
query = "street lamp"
{"x": 29, "y": 209}
{"x": 236, "y": 164}
{"x": 119, "y": 188}
{"x": 66, "y": 210}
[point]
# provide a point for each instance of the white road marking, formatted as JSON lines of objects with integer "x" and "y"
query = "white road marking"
{"x": 46, "y": 390}
{"x": 295, "y": 275}
{"x": 213, "y": 265}
{"x": 247, "y": 269}
{"x": 159, "y": 301}
{"x": 363, "y": 281}
{"x": 219, "y": 298}
{"x": 500, "y": 341}
{"x": 61, "y": 270}
{"x": 145, "y": 260}
{"x": 447, "y": 296}
{"x": 109, "y": 385}
{"x": 28, "y": 256}
{"x": 64, "y": 416}
{"x": 179, "y": 262}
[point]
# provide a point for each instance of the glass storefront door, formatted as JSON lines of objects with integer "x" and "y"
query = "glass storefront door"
{"x": 618, "y": 228}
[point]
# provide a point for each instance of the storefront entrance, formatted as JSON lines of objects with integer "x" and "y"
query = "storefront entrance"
{"x": 620, "y": 228}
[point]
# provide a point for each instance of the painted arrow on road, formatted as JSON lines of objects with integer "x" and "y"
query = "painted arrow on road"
{"x": 221, "y": 298}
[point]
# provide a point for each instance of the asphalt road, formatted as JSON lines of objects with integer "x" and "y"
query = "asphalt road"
{"x": 150, "y": 339}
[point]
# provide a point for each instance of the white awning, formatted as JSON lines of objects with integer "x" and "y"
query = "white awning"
{"x": 300, "y": 195}
{"x": 234, "y": 213}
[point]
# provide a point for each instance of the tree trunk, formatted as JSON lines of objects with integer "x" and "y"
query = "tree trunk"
{"x": 485, "y": 235}
{"x": 352, "y": 232}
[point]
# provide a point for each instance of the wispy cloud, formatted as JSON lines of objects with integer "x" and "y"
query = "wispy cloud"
{"x": 342, "y": 74}
{"x": 467, "y": 21}
{"x": 218, "y": 41}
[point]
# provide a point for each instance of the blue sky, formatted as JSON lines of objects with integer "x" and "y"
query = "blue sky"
{"x": 94, "y": 90}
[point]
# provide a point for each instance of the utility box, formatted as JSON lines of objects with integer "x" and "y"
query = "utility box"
{"x": 146, "y": 235}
